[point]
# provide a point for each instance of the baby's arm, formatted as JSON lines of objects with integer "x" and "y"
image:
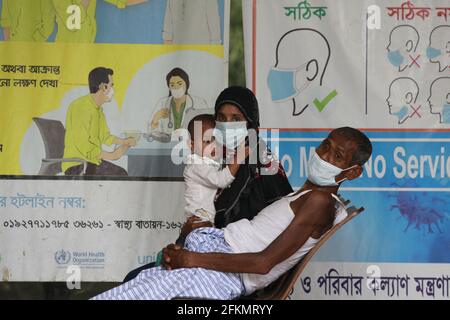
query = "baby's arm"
{"x": 239, "y": 157}
{"x": 210, "y": 177}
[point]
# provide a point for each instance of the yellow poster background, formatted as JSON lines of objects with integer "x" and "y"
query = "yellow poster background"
{"x": 18, "y": 105}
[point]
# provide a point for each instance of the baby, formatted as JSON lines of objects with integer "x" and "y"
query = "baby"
{"x": 203, "y": 174}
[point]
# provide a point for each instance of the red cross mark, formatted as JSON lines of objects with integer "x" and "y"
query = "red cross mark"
{"x": 415, "y": 111}
{"x": 414, "y": 61}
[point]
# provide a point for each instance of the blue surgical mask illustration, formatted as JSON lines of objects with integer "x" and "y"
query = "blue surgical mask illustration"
{"x": 433, "y": 53}
{"x": 446, "y": 113}
{"x": 230, "y": 134}
{"x": 395, "y": 58}
{"x": 401, "y": 114}
{"x": 282, "y": 83}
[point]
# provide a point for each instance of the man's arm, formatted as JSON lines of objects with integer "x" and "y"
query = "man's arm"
{"x": 312, "y": 215}
{"x": 114, "y": 155}
{"x": 129, "y": 142}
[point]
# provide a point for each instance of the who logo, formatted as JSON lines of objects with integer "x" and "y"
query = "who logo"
{"x": 62, "y": 256}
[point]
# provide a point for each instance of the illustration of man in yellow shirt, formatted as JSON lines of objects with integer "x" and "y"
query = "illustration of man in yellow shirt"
{"x": 87, "y": 130}
{"x": 27, "y": 20}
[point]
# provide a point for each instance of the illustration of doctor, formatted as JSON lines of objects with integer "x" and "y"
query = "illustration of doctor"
{"x": 171, "y": 110}
{"x": 193, "y": 21}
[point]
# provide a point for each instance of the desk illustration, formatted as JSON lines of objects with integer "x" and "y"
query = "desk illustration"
{"x": 153, "y": 159}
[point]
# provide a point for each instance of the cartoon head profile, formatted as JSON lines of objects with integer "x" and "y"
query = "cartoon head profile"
{"x": 403, "y": 94}
{"x": 301, "y": 59}
{"x": 438, "y": 50}
{"x": 439, "y": 99}
{"x": 403, "y": 41}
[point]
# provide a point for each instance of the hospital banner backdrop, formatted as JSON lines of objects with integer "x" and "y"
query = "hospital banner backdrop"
{"x": 382, "y": 67}
{"x": 84, "y": 79}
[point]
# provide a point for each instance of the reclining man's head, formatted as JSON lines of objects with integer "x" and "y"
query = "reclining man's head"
{"x": 339, "y": 157}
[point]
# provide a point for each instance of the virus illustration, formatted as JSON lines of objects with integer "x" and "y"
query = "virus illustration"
{"x": 421, "y": 209}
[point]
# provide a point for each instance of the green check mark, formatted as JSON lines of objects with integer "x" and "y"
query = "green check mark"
{"x": 320, "y": 105}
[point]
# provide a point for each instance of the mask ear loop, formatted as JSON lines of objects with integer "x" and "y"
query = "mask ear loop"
{"x": 304, "y": 66}
{"x": 345, "y": 178}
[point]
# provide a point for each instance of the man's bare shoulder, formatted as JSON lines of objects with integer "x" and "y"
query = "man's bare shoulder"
{"x": 316, "y": 205}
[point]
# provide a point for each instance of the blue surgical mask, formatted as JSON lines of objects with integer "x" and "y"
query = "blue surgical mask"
{"x": 323, "y": 173}
{"x": 401, "y": 114}
{"x": 231, "y": 134}
{"x": 446, "y": 113}
{"x": 282, "y": 83}
{"x": 433, "y": 52}
{"x": 395, "y": 58}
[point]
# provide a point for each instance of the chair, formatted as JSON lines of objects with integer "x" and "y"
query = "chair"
{"x": 283, "y": 287}
{"x": 53, "y": 132}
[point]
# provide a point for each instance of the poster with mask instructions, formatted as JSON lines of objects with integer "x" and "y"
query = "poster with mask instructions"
{"x": 84, "y": 80}
{"x": 382, "y": 67}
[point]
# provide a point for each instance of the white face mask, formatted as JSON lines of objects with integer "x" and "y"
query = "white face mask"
{"x": 110, "y": 93}
{"x": 231, "y": 134}
{"x": 178, "y": 93}
{"x": 323, "y": 173}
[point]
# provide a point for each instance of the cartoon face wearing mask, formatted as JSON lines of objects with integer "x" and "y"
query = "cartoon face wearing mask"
{"x": 285, "y": 84}
{"x": 177, "y": 87}
{"x": 323, "y": 173}
{"x": 231, "y": 134}
{"x": 178, "y": 93}
{"x": 433, "y": 53}
{"x": 439, "y": 56}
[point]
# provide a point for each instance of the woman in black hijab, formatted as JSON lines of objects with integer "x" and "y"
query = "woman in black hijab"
{"x": 255, "y": 185}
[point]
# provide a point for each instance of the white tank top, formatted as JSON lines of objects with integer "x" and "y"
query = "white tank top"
{"x": 255, "y": 235}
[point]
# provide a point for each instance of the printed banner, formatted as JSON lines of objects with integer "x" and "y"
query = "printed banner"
{"x": 82, "y": 80}
{"x": 382, "y": 67}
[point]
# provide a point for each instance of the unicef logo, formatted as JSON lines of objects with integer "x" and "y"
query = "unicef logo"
{"x": 62, "y": 257}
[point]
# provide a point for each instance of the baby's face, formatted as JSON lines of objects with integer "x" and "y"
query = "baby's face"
{"x": 205, "y": 147}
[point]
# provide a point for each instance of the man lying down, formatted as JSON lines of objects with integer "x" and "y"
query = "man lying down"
{"x": 248, "y": 255}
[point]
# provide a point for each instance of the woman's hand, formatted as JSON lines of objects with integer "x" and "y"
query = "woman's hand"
{"x": 192, "y": 223}
{"x": 174, "y": 257}
{"x": 161, "y": 114}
